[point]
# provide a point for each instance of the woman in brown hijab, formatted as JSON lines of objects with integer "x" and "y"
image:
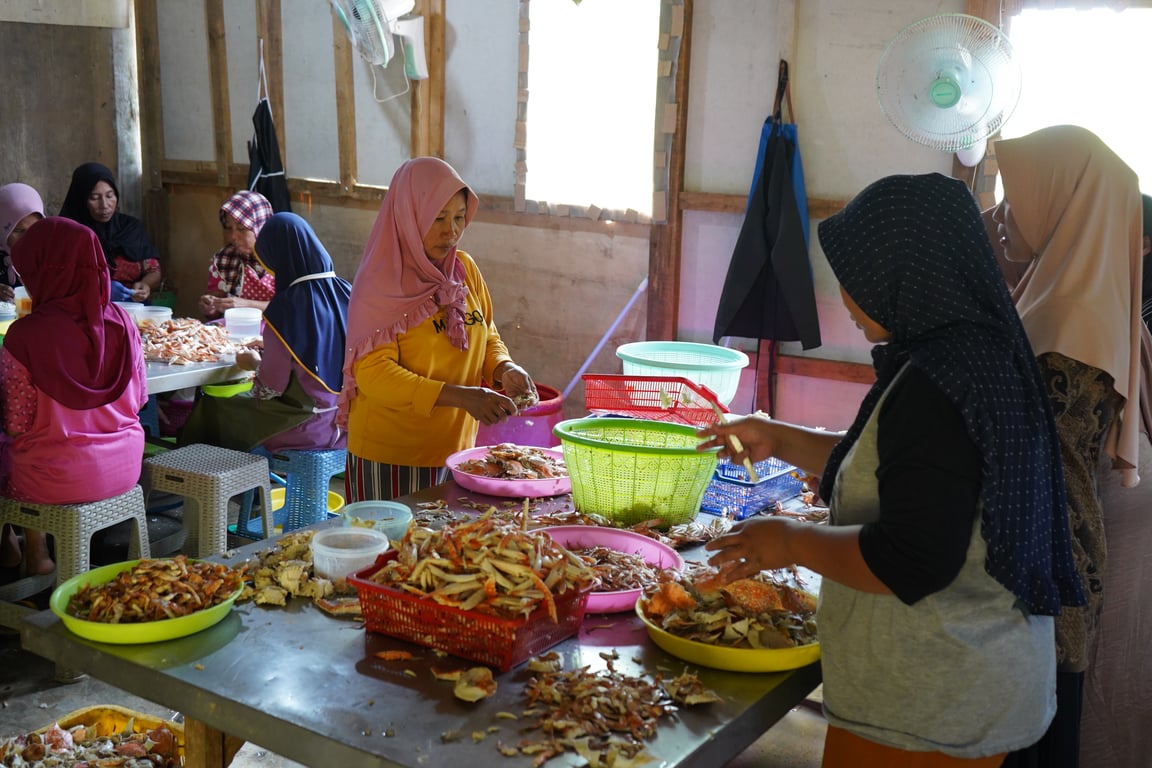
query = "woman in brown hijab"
{"x": 1071, "y": 212}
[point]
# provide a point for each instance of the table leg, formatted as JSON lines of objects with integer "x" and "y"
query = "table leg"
{"x": 206, "y": 747}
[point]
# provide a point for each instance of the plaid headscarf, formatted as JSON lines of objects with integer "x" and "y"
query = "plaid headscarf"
{"x": 249, "y": 209}
{"x": 913, "y": 253}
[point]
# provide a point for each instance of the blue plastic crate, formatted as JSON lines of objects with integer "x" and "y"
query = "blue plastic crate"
{"x": 732, "y": 493}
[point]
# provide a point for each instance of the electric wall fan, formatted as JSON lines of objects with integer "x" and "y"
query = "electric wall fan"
{"x": 371, "y": 25}
{"x": 949, "y": 81}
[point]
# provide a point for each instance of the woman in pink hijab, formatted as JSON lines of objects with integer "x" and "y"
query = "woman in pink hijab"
{"x": 71, "y": 376}
{"x": 424, "y": 363}
{"x": 20, "y": 208}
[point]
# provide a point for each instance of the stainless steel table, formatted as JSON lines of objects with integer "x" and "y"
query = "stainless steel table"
{"x": 309, "y": 687}
{"x": 163, "y": 377}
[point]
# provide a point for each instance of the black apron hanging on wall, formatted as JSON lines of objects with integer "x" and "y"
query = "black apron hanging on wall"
{"x": 265, "y": 169}
{"x": 768, "y": 292}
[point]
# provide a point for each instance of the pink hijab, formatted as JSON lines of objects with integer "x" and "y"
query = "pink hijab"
{"x": 1078, "y": 206}
{"x": 76, "y": 345}
{"x": 397, "y": 286}
{"x": 16, "y": 201}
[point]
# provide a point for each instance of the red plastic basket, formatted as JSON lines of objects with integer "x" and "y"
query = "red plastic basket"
{"x": 657, "y": 398}
{"x": 498, "y": 642}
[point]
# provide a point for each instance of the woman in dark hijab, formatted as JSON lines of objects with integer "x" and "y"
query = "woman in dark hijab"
{"x": 93, "y": 200}
{"x": 948, "y": 551}
{"x": 292, "y": 404}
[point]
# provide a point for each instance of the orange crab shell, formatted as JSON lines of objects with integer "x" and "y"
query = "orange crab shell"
{"x": 668, "y": 598}
{"x": 753, "y": 596}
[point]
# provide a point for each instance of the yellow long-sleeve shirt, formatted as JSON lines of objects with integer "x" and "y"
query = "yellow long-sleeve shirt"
{"x": 393, "y": 419}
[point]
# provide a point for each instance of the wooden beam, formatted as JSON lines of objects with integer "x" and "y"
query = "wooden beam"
{"x": 345, "y": 106}
{"x": 835, "y": 370}
{"x": 270, "y": 29}
{"x": 715, "y": 202}
{"x": 218, "y": 87}
{"x": 664, "y": 251}
{"x": 153, "y": 199}
{"x": 427, "y": 129}
{"x": 151, "y": 98}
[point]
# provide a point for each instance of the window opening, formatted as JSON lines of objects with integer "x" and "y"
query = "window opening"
{"x": 590, "y": 103}
{"x": 1080, "y": 67}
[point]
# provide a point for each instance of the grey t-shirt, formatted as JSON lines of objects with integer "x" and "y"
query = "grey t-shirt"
{"x": 963, "y": 671}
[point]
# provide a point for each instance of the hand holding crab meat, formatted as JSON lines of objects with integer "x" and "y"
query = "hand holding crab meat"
{"x": 517, "y": 384}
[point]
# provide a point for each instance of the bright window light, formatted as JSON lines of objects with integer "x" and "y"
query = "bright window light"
{"x": 1086, "y": 68}
{"x": 592, "y": 71}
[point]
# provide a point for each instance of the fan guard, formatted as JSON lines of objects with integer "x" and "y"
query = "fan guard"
{"x": 369, "y": 26}
{"x": 948, "y": 81}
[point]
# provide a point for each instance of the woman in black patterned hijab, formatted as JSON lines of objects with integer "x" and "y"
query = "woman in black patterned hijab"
{"x": 948, "y": 550}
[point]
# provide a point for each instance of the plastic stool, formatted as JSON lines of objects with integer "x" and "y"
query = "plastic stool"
{"x": 71, "y": 527}
{"x": 308, "y": 474}
{"x": 208, "y": 477}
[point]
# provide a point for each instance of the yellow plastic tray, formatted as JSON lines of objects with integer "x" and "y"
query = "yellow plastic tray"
{"x": 732, "y": 659}
{"x": 335, "y": 500}
{"x": 108, "y": 719}
{"x": 128, "y": 634}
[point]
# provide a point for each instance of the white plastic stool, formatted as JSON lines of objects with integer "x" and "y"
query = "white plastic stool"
{"x": 71, "y": 527}
{"x": 208, "y": 477}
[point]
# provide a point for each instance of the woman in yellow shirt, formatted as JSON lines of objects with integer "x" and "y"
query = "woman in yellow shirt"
{"x": 424, "y": 363}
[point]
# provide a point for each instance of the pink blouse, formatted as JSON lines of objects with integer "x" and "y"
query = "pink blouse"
{"x": 57, "y": 455}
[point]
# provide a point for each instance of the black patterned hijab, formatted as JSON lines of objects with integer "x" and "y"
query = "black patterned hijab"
{"x": 913, "y": 253}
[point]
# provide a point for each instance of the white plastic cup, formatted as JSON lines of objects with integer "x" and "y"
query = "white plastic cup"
{"x": 156, "y": 315}
{"x": 134, "y": 309}
{"x": 242, "y": 322}
{"x": 22, "y": 300}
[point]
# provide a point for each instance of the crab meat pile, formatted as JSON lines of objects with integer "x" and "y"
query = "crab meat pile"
{"x": 154, "y": 590}
{"x": 604, "y": 716}
{"x": 82, "y": 746}
{"x": 762, "y": 612}
{"x": 488, "y": 565}
{"x": 508, "y": 461}
{"x": 184, "y": 340}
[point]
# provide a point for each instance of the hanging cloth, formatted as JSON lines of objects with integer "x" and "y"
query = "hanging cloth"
{"x": 265, "y": 168}
{"x": 768, "y": 292}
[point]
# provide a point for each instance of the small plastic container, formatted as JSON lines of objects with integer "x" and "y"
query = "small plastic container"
{"x": 715, "y": 367}
{"x": 134, "y": 309}
{"x": 337, "y": 552}
{"x": 155, "y": 315}
{"x": 243, "y": 322}
{"x": 22, "y": 300}
{"x": 389, "y": 517}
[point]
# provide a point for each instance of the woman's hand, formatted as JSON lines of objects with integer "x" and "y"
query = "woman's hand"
{"x": 207, "y": 306}
{"x": 517, "y": 385}
{"x": 248, "y": 359}
{"x": 485, "y": 405}
{"x": 754, "y": 545}
{"x": 756, "y": 434}
{"x": 7, "y": 294}
{"x": 141, "y": 291}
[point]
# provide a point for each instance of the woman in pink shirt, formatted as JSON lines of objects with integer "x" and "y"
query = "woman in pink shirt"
{"x": 71, "y": 376}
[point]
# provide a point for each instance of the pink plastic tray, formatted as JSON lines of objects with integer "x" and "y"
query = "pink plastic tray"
{"x": 653, "y": 552}
{"x": 552, "y": 486}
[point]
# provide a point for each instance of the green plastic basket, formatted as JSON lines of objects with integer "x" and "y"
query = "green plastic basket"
{"x": 630, "y": 471}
